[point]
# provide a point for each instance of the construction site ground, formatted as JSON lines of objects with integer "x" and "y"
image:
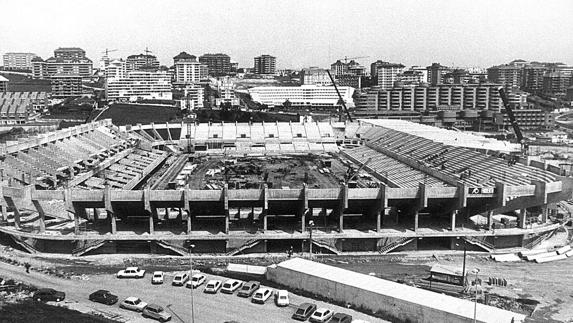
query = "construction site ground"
{"x": 550, "y": 284}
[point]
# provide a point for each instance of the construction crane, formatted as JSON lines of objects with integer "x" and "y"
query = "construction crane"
{"x": 512, "y": 120}
{"x": 346, "y": 58}
{"x": 340, "y": 99}
{"x": 107, "y": 51}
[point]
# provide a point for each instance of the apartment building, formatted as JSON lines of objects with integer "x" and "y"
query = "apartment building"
{"x": 508, "y": 75}
{"x": 218, "y": 64}
{"x": 437, "y": 73}
{"x": 140, "y": 85}
{"x": 385, "y": 73}
{"x": 18, "y": 61}
{"x": 556, "y": 82}
{"x": 265, "y": 64}
{"x": 314, "y": 76}
{"x": 68, "y": 60}
{"x": 116, "y": 69}
{"x": 139, "y": 61}
{"x": 311, "y": 96}
{"x": 188, "y": 70}
{"x": 66, "y": 85}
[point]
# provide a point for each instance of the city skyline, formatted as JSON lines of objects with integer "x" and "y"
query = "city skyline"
{"x": 299, "y": 34}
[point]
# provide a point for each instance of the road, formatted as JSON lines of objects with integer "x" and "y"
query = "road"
{"x": 208, "y": 308}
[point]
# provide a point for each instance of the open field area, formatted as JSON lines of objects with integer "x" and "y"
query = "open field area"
{"x": 128, "y": 114}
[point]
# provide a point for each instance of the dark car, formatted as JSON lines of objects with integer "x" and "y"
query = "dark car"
{"x": 340, "y": 318}
{"x": 48, "y": 294}
{"x": 304, "y": 311}
{"x": 249, "y": 288}
{"x": 104, "y": 297}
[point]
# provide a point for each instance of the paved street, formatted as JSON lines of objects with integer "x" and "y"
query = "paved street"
{"x": 208, "y": 308}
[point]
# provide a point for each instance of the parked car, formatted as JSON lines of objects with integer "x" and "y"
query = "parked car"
{"x": 131, "y": 272}
{"x": 281, "y": 298}
{"x": 157, "y": 277}
{"x": 340, "y": 318}
{"x": 249, "y": 288}
{"x": 261, "y": 295}
{"x": 196, "y": 281}
{"x": 133, "y": 304}
{"x": 231, "y": 285}
{"x": 180, "y": 279}
{"x": 104, "y": 297}
{"x": 304, "y": 311}
{"x": 321, "y": 315}
{"x": 48, "y": 294}
{"x": 156, "y": 312}
{"x": 212, "y": 286}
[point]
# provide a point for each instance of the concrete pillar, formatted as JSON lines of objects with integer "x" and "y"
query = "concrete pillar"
{"x": 151, "y": 224}
{"x": 453, "y": 220}
{"x": 324, "y": 214}
{"x": 149, "y": 209}
{"x": 379, "y": 214}
{"x": 95, "y": 215}
{"x": 544, "y": 214}
{"x": 187, "y": 208}
{"x": 41, "y": 215}
{"x": 416, "y": 216}
{"x": 341, "y": 223}
{"x": 265, "y": 219}
{"x": 189, "y": 222}
{"x": 521, "y": 218}
{"x": 489, "y": 220}
{"x": 303, "y": 222}
{"x": 76, "y": 223}
{"x": 111, "y": 216}
{"x": 4, "y": 213}
{"x": 227, "y": 224}
{"x": 109, "y": 209}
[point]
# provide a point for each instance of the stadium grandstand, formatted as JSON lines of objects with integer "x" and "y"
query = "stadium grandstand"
{"x": 21, "y": 107}
{"x": 236, "y": 188}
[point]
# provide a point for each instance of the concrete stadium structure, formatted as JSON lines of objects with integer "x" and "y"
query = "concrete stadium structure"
{"x": 87, "y": 189}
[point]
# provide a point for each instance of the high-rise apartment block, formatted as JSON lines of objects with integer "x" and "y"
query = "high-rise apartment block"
{"x": 18, "y": 61}
{"x": 265, "y": 64}
{"x": 140, "y": 85}
{"x": 556, "y": 82}
{"x": 116, "y": 69}
{"x": 385, "y": 73}
{"x": 508, "y": 75}
{"x": 218, "y": 64}
{"x": 68, "y": 60}
{"x": 141, "y": 61}
{"x": 188, "y": 70}
{"x": 437, "y": 73}
{"x": 533, "y": 77}
{"x": 314, "y": 76}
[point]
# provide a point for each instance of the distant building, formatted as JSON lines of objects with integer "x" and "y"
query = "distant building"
{"x": 556, "y": 82}
{"x": 385, "y": 74}
{"x": 18, "y": 61}
{"x": 314, "y": 76}
{"x": 265, "y": 64}
{"x": 192, "y": 96}
{"x": 226, "y": 89}
{"x": 411, "y": 77}
{"x": 140, "y": 85}
{"x": 352, "y": 67}
{"x": 218, "y": 64}
{"x": 188, "y": 70}
{"x": 351, "y": 80}
{"x": 141, "y": 61}
{"x": 338, "y": 68}
{"x": 507, "y": 75}
{"x": 305, "y": 96}
{"x": 3, "y": 84}
{"x": 21, "y": 107}
{"x": 65, "y": 61}
{"x": 533, "y": 78}
{"x": 116, "y": 69}
{"x": 66, "y": 85}
{"x": 437, "y": 73}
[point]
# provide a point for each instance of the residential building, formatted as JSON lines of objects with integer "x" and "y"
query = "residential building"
{"x": 66, "y": 85}
{"x": 226, "y": 89}
{"x": 65, "y": 61}
{"x": 218, "y": 64}
{"x": 307, "y": 96}
{"x": 314, "y": 76}
{"x": 507, "y": 75}
{"x": 533, "y": 78}
{"x": 18, "y": 61}
{"x": 411, "y": 77}
{"x": 192, "y": 96}
{"x": 556, "y": 82}
{"x": 21, "y": 107}
{"x": 265, "y": 64}
{"x": 385, "y": 73}
{"x": 338, "y": 68}
{"x": 351, "y": 80}
{"x": 188, "y": 70}
{"x": 116, "y": 69}
{"x": 3, "y": 84}
{"x": 355, "y": 68}
{"x": 141, "y": 61}
{"x": 437, "y": 73}
{"x": 140, "y": 85}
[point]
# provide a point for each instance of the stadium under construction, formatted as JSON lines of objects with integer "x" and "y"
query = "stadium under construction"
{"x": 236, "y": 188}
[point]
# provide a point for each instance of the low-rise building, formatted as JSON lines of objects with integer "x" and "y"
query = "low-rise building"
{"x": 314, "y": 76}
{"x": 305, "y": 96}
{"x": 140, "y": 85}
{"x": 66, "y": 85}
{"x": 137, "y": 62}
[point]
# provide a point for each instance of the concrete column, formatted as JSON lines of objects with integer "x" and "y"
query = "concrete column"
{"x": 453, "y": 220}
{"x": 4, "y": 213}
{"x": 151, "y": 224}
{"x": 11, "y": 204}
{"x": 341, "y": 222}
{"x": 149, "y": 209}
{"x": 521, "y": 219}
{"x": 111, "y": 216}
{"x": 189, "y": 222}
{"x": 76, "y": 223}
{"x": 95, "y": 215}
{"x": 41, "y": 214}
{"x": 187, "y": 207}
{"x": 265, "y": 223}
{"x": 303, "y": 222}
{"x": 227, "y": 224}
{"x": 379, "y": 214}
{"x": 416, "y": 216}
{"x": 489, "y": 220}
{"x": 324, "y": 216}
{"x": 109, "y": 209}
{"x": 544, "y": 214}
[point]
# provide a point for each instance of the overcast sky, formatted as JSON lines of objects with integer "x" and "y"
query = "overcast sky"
{"x": 299, "y": 33}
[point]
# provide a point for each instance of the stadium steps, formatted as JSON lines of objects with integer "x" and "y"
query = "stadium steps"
{"x": 247, "y": 245}
{"x": 394, "y": 245}
{"x": 480, "y": 243}
{"x": 88, "y": 246}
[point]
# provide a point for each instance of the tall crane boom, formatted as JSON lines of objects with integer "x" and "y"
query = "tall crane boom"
{"x": 511, "y": 116}
{"x": 339, "y": 96}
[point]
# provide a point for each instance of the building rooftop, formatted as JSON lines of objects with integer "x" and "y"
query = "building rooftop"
{"x": 184, "y": 55}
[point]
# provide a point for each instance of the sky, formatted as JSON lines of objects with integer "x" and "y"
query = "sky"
{"x": 299, "y": 33}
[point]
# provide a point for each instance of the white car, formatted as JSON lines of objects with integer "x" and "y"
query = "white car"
{"x": 180, "y": 279}
{"x": 196, "y": 281}
{"x": 231, "y": 285}
{"x": 133, "y": 304}
{"x": 321, "y": 315}
{"x": 281, "y": 298}
{"x": 261, "y": 295}
{"x": 212, "y": 286}
{"x": 157, "y": 277}
{"x": 131, "y": 272}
